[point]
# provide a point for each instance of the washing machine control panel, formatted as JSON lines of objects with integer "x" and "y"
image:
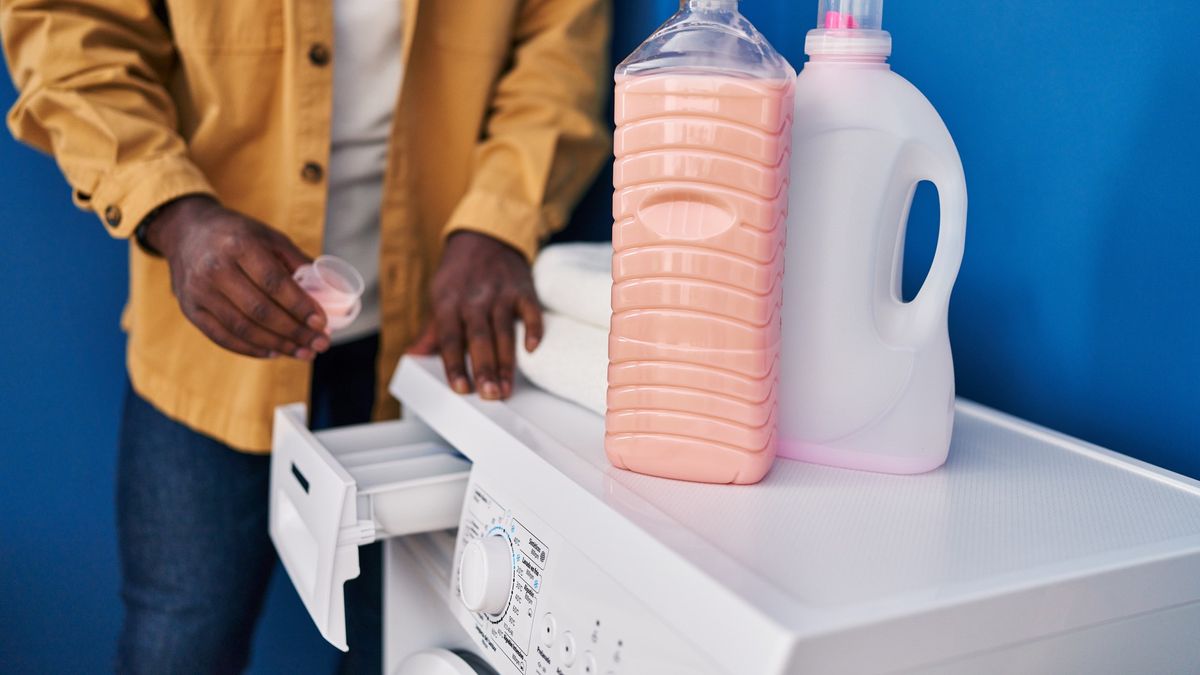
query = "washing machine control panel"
{"x": 499, "y": 576}
{"x": 534, "y": 604}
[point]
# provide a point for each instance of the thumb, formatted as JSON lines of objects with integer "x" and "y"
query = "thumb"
{"x": 426, "y": 344}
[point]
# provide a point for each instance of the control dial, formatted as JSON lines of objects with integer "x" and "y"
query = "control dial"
{"x": 485, "y": 574}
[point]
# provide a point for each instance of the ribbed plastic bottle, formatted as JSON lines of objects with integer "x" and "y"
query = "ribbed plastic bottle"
{"x": 867, "y": 379}
{"x": 703, "y": 111}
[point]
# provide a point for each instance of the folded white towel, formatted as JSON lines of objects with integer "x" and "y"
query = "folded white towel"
{"x": 575, "y": 280}
{"x": 571, "y": 361}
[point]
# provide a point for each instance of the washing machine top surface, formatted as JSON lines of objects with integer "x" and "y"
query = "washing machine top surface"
{"x": 1016, "y": 513}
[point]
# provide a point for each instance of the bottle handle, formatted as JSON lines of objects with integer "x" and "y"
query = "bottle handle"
{"x": 911, "y": 323}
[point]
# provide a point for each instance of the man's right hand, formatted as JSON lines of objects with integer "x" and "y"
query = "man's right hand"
{"x": 232, "y": 276}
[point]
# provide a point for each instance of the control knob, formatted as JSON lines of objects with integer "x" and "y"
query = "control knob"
{"x": 485, "y": 574}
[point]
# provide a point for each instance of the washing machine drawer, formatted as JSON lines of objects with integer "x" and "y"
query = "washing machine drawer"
{"x": 336, "y": 490}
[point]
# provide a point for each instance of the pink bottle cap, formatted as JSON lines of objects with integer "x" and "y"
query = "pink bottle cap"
{"x": 849, "y": 28}
{"x": 851, "y": 14}
{"x": 835, "y": 19}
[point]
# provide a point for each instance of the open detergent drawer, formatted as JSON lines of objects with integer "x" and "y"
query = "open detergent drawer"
{"x": 336, "y": 490}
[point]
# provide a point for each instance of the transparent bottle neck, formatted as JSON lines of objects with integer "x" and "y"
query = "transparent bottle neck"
{"x": 708, "y": 5}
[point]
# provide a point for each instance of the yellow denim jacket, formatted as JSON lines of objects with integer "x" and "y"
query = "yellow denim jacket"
{"x": 497, "y": 129}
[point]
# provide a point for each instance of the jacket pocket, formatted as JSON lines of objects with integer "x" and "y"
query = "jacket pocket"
{"x": 227, "y": 25}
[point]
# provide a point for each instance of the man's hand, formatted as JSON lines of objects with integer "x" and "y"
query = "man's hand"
{"x": 232, "y": 276}
{"x": 481, "y": 287}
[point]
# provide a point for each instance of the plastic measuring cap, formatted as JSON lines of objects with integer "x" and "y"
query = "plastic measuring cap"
{"x": 336, "y": 286}
{"x": 849, "y": 28}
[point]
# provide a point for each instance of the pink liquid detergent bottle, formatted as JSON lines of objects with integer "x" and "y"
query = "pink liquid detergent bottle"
{"x": 704, "y": 112}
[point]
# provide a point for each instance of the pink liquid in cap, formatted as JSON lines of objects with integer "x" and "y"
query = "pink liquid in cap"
{"x": 336, "y": 286}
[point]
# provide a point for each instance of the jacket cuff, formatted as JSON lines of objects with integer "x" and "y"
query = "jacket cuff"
{"x": 125, "y": 197}
{"x": 514, "y": 222}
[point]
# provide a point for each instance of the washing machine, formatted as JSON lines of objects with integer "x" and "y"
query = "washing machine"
{"x": 512, "y": 547}
{"x": 443, "y": 662}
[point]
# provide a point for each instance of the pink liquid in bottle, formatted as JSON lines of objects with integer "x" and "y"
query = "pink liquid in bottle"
{"x": 699, "y": 213}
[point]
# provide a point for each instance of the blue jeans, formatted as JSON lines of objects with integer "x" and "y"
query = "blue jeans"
{"x": 192, "y": 530}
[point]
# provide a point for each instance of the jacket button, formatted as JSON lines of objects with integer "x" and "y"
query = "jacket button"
{"x": 312, "y": 172}
{"x": 318, "y": 54}
{"x": 112, "y": 216}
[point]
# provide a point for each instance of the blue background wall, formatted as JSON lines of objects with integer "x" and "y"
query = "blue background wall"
{"x": 1076, "y": 307}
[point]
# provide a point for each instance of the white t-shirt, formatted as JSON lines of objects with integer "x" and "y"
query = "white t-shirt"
{"x": 366, "y": 82}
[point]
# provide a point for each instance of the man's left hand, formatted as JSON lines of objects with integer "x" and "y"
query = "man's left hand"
{"x": 481, "y": 287}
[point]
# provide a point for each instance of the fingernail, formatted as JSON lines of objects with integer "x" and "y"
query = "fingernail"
{"x": 315, "y": 321}
{"x": 320, "y": 344}
{"x": 531, "y": 343}
{"x": 506, "y": 387}
{"x": 461, "y": 386}
{"x": 271, "y": 355}
{"x": 304, "y": 354}
{"x": 489, "y": 390}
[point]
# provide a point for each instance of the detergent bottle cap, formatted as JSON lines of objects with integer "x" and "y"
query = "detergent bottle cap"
{"x": 849, "y": 28}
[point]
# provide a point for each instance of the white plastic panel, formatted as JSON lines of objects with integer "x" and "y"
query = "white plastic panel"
{"x": 1162, "y": 643}
{"x": 334, "y": 491}
{"x": 417, "y": 574}
{"x": 1024, "y": 534}
{"x": 1006, "y": 503}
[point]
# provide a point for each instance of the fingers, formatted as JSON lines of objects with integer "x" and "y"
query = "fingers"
{"x": 426, "y": 344}
{"x": 244, "y": 328}
{"x": 530, "y": 311}
{"x": 503, "y": 316}
{"x": 213, "y": 328}
{"x": 481, "y": 343}
{"x": 450, "y": 344}
{"x": 304, "y": 319}
{"x": 481, "y": 286}
{"x": 265, "y": 315}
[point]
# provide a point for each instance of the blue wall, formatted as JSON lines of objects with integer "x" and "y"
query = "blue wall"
{"x": 1076, "y": 307}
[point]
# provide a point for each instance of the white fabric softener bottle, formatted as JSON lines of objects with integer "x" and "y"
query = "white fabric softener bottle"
{"x": 867, "y": 380}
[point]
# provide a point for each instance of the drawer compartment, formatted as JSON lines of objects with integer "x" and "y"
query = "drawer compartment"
{"x": 336, "y": 490}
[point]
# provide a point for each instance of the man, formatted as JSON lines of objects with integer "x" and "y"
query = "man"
{"x": 432, "y": 143}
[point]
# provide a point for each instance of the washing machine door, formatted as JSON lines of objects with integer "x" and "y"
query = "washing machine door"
{"x": 444, "y": 662}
